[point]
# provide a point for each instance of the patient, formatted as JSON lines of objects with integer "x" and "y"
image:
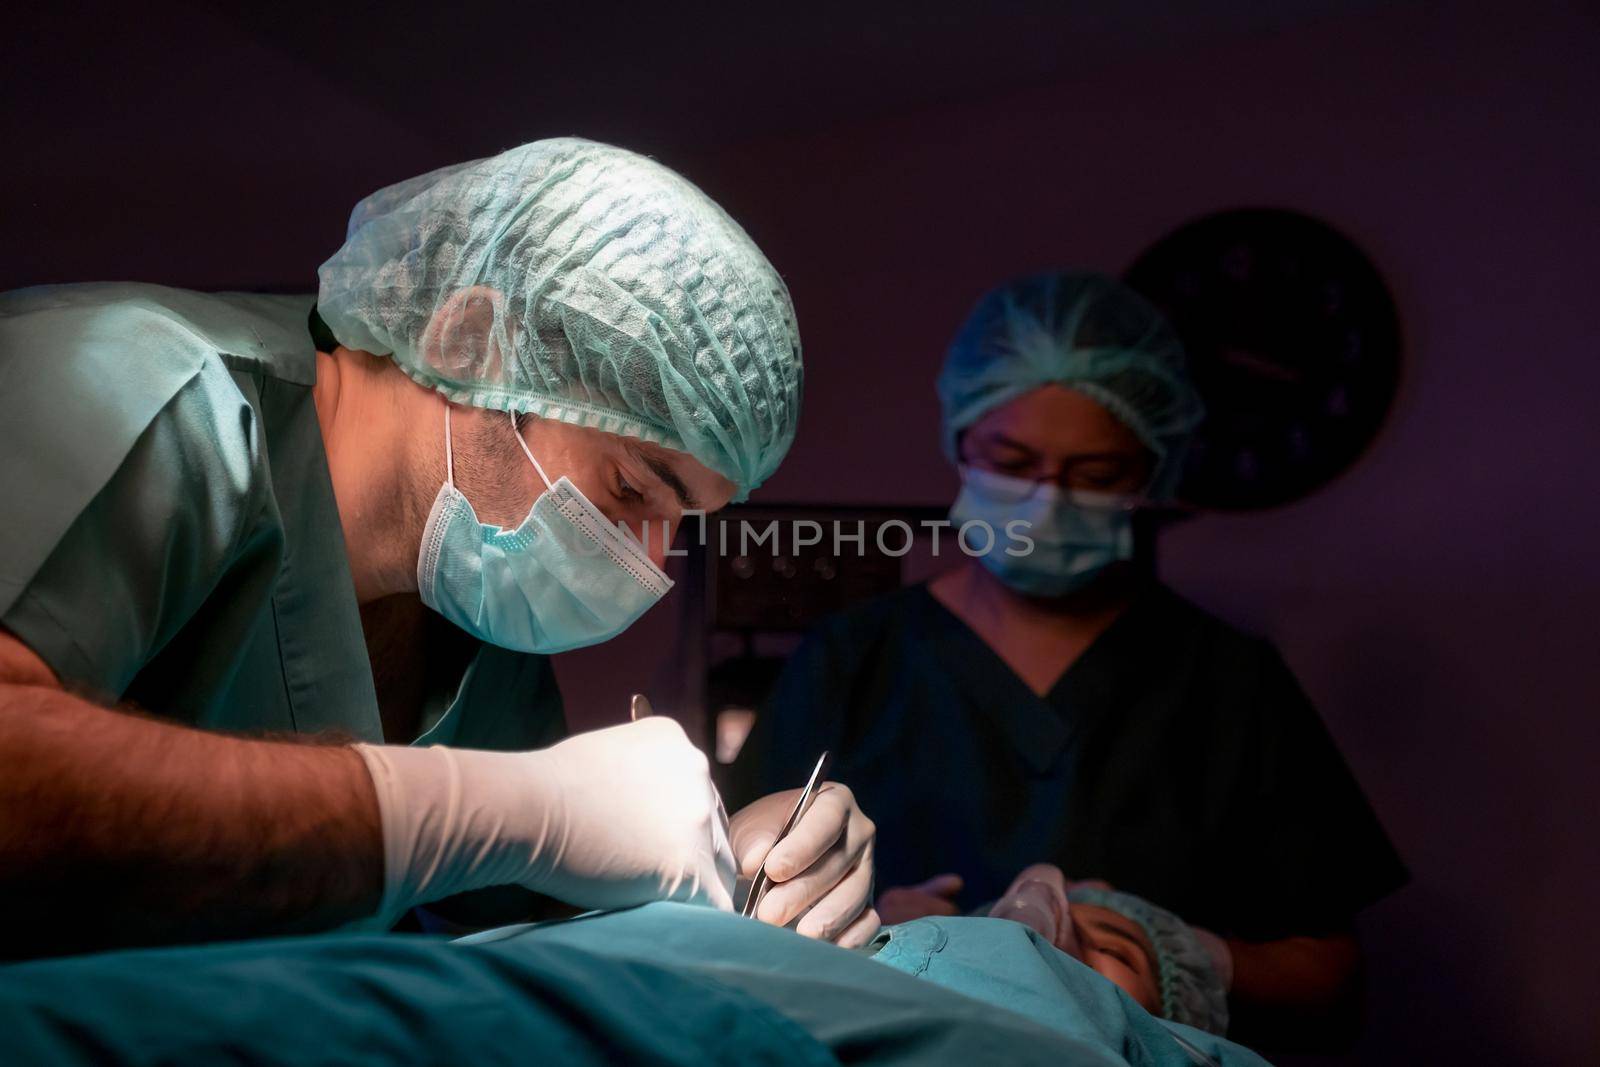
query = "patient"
{"x": 664, "y": 983}
{"x": 1160, "y": 961}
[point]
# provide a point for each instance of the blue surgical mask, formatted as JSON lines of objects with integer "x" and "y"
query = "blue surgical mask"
{"x": 565, "y": 578}
{"x": 1070, "y": 536}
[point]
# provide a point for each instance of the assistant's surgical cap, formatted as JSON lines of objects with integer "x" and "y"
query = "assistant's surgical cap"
{"x": 1082, "y": 330}
{"x": 578, "y": 282}
{"x": 1191, "y": 991}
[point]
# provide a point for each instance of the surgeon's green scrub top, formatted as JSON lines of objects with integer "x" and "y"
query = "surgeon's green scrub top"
{"x": 170, "y": 537}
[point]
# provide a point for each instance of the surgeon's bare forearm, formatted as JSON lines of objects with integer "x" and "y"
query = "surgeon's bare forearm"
{"x": 1297, "y": 993}
{"x": 117, "y": 829}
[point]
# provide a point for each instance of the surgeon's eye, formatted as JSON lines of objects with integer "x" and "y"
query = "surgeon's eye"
{"x": 1100, "y": 479}
{"x": 626, "y": 490}
{"x": 1107, "y": 477}
{"x": 1011, "y": 461}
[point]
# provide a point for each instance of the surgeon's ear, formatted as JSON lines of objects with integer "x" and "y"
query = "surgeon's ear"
{"x": 468, "y": 336}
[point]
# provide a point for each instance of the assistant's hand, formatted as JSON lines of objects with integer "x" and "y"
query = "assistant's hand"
{"x": 936, "y": 896}
{"x": 604, "y": 819}
{"x": 821, "y": 872}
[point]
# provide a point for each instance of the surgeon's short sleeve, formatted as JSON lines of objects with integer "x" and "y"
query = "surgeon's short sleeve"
{"x": 1309, "y": 852}
{"x": 164, "y": 534}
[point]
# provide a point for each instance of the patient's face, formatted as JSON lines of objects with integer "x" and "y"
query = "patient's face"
{"x": 1115, "y": 946}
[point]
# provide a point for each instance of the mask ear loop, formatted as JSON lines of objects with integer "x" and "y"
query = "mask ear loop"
{"x": 527, "y": 453}
{"x": 449, "y": 457}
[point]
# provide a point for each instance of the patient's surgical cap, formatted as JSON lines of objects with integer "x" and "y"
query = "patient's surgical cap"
{"x": 1191, "y": 992}
{"x": 1082, "y": 330}
{"x": 578, "y": 282}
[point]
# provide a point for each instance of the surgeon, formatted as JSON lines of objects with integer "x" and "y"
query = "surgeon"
{"x": 1050, "y": 701}
{"x": 279, "y": 583}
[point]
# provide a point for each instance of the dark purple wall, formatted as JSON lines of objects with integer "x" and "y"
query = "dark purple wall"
{"x": 1437, "y": 600}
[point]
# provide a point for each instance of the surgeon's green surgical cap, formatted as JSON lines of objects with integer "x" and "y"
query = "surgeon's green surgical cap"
{"x": 1082, "y": 330}
{"x": 579, "y": 282}
{"x": 1191, "y": 991}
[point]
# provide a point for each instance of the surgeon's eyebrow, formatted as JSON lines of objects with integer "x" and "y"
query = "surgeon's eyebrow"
{"x": 1000, "y": 439}
{"x": 997, "y": 438}
{"x": 664, "y": 471}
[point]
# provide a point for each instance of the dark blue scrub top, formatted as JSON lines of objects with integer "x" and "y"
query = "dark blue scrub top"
{"x": 1177, "y": 758}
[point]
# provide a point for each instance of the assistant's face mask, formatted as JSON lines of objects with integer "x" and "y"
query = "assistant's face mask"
{"x": 565, "y": 578}
{"x": 1075, "y": 535}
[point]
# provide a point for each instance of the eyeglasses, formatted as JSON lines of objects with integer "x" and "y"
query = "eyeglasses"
{"x": 1074, "y": 473}
{"x": 1015, "y": 487}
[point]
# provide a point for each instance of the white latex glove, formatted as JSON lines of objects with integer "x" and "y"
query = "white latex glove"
{"x": 606, "y": 819}
{"x": 1037, "y": 898}
{"x": 821, "y": 872}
